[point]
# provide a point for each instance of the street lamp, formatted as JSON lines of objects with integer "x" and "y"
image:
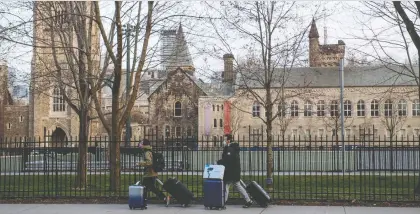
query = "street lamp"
{"x": 341, "y": 76}
{"x": 128, "y": 29}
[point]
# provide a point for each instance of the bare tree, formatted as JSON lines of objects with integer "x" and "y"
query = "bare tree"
{"x": 236, "y": 118}
{"x": 399, "y": 34}
{"x": 333, "y": 120}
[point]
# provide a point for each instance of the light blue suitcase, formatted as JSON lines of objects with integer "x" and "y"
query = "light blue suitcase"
{"x": 213, "y": 187}
{"x": 136, "y": 197}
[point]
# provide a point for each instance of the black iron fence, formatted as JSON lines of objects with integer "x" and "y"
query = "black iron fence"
{"x": 304, "y": 168}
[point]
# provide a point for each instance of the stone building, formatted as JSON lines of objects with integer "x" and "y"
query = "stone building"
{"x": 49, "y": 114}
{"x": 378, "y": 103}
{"x": 14, "y": 117}
{"x": 325, "y": 55}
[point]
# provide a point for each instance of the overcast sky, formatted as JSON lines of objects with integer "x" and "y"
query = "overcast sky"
{"x": 342, "y": 24}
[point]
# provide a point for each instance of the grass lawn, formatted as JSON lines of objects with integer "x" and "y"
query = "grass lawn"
{"x": 286, "y": 187}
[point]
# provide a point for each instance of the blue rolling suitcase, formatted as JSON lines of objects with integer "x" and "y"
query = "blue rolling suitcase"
{"x": 213, "y": 187}
{"x": 136, "y": 197}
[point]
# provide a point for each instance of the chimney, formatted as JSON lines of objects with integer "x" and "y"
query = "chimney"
{"x": 228, "y": 75}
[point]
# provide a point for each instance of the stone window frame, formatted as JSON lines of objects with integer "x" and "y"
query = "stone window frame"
{"x": 58, "y": 103}
{"x": 307, "y": 108}
{"x": 282, "y": 109}
{"x": 294, "y": 109}
{"x": 256, "y": 109}
{"x": 20, "y": 119}
{"x": 221, "y": 123}
{"x": 178, "y": 109}
{"x": 374, "y": 108}
{"x": 361, "y": 108}
{"x": 334, "y": 108}
{"x": 178, "y": 131}
{"x": 402, "y": 108}
{"x": 347, "y": 107}
{"x": 388, "y": 108}
{"x": 416, "y": 108}
{"x": 167, "y": 131}
{"x": 214, "y": 123}
{"x": 320, "y": 108}
{"x": 9, "y": 126}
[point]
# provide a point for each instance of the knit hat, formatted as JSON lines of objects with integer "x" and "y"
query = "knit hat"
{"x": 228, "y": 136}
{"x": 146, "y": 142}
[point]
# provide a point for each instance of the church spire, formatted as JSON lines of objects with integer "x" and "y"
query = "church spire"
{"x": 180, "y": 56}
{"x": 313, "y": 32}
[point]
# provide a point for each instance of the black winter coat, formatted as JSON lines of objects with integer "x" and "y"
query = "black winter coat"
{"x": 232, "y": 162}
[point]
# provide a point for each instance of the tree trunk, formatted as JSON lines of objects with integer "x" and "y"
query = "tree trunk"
{"x": 81, "y": 178}
{"x": 114, "y": 147}
{"x": 269, "y": 116}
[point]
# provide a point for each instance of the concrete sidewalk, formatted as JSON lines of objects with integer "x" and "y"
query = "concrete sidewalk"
{"x": 174, "y": 209}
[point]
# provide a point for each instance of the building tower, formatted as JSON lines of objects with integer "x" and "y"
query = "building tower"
{"x": 49, "y": 113}
{"x": 326, "y": 55}
{"x": 175, "y": 52}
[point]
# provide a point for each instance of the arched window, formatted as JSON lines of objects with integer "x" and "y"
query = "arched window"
{"x": 167, "y": 131}
{"x": 402, "y": 108}
{"x": 361, "y": 108}
{"x": 213, "y": 108}
{"x": 217, "y": 107}
{"x": 220, "y": 123}
{"x": 294, "y": 109}
{"x": 374, "y": 108}
{"x": 347, "y": 108}
{"x": 307, "y": 109}
{"x": 189, "y": 131}
{"x": 416, "y": 108}
{"x": 58, "y": 100}
{"x": 320, "y": 108}
{"x": 282, "y": 109}
{"x": 334, "y": 108}
{"x": 256, "y": 109}
{"x": 215, "y": 123}
{"x": 388, "y": 108}
{"x": 178, "y": 109}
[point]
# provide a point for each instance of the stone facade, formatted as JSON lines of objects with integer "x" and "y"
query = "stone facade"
{"x": 49, "y": 114}
{"x": 304, "y": 116}
{"x": 326, "y": 55}
{"x": 16, "y": 121}
{"x": 173, "y": 107}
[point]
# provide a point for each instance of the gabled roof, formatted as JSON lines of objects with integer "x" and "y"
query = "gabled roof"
{"x": 194, "y": 80}
{"x": 329, "y": 77}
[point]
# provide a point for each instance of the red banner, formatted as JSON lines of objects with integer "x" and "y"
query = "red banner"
{"x": 226, "y": 108}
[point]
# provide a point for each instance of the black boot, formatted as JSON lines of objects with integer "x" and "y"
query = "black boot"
{"x": 247, "y": 204}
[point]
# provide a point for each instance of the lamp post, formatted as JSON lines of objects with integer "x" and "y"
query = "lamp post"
{"x": 128, "y": 30}
{"x": 342, "y": 108}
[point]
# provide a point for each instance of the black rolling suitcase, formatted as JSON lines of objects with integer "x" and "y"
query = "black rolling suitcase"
{"x": 178, "y": 191}
{"x": 257, "y": 193}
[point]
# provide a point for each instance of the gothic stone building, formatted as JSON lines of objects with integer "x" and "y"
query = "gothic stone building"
{"x": 14, "y": 116}
{"x": 49, "y": 115}
{"x": 378, "y": 104}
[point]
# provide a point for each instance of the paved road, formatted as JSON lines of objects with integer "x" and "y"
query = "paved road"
{"x": 159, "y": 209}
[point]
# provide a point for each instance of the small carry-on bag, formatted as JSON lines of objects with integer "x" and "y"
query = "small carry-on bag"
{"x": 179, "y": 191}
{"x": 257, "y": 193}
{"x": 213, "y": 187}
{"x": 136, "y": 196}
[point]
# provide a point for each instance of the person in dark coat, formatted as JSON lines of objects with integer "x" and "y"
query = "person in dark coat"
{"x": 232, "y": 162}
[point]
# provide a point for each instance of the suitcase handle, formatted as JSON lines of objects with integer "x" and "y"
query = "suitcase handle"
{"x": 138, "y": 183}
{"x": 159, "y": 181}
{"x": 242, "y": 183}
